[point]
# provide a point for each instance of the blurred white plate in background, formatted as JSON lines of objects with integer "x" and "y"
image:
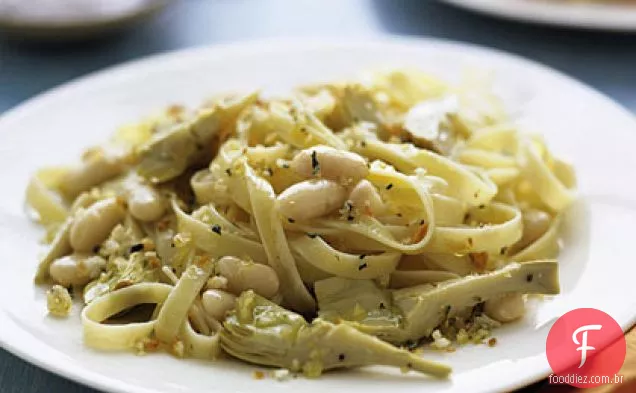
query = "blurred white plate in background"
{"x": 590, "y": 14}
{"x": 578, "y": 122}
{"x": 52, "y": 20}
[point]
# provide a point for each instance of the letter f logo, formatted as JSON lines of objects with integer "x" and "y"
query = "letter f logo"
{"x": 583, "y": 344}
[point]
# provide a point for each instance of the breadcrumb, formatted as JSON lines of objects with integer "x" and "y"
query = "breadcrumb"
{"x": 282, "y": 374}
{"x": 439, "y": 341}
{"x": 58, "y": 301}
{"x": 178, "y": 349}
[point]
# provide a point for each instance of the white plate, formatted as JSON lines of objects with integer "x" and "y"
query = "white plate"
{"x": 55, "y": 20}
{"x": 567, "y": 13}
{"x": 597, "y": 269}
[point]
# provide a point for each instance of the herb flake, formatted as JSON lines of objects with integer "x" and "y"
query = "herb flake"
{"x": 136, "y": 247}
{"x": 315, "y": 165}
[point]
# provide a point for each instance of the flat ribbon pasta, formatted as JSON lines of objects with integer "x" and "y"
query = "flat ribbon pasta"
{"x": 552, "y": 191}
{"x": 357, "y": 266}
{"x": 218, "y": 244}
{"x": 545, "y": 247}
{"x": 119, "y": 337}
{"x": 270, "y": 229}
{"x": 39, "y": 196}
{"x": 463, "y": 184}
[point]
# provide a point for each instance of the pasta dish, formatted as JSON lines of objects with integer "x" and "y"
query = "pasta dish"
{"x": 346, "y": 224}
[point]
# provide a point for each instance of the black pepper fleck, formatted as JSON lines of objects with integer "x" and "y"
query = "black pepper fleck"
{"x": 482, "y": 206}
{"x": 362, "y": 256}
{"x": 389, "y": 186}
{"x": 362, "y": 266}
{"x": 312, "y": 235}
{"x": 216, "y": 229}
{"x": 341, "y": 357}
{"x": 411, "y": 345}
{"x": 96, "y": 249}
{"x": 363, "y": 143}
{"x": 382, "y": 306}
{"x": 136, "y": 247}
{"x": 529, "y": 277}
{"x": 478, "y": 309}
{"x": 228, "y": 171}
{"x": 291, "y": 220}
{"x": 503, "y": 250}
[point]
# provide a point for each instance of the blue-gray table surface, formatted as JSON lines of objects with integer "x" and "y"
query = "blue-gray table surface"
{"x": 604, "y": 60}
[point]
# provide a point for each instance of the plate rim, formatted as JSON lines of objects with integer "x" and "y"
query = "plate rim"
{"x": 110, "y": 384}
{"x": 556, "y": 15}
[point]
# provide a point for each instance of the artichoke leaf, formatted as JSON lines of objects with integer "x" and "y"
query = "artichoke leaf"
{"x": 425, "y": 307}
{"x": 261, "y": 332}
{"x": 361, "y": 301}
{"x": 169, "y": 153}
{"x": 412, "y": 313}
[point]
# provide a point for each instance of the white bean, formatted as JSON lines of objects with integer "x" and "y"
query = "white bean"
{"x": 217, "y": 303}
{"x": 95, "y": 169}
{"x": 145, "y": 203}
{"x": 366, "y": 198}
{"x": 333, "y": 164}
{"x": 93, "y": 225}
{"x": 76, "y": 269}
{"x": 242, "y": 276}
{"x": 310, "y": 199}
{"x": 506, "y": 308}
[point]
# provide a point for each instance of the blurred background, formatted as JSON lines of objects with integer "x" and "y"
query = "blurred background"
{"x": 44, "y": 43}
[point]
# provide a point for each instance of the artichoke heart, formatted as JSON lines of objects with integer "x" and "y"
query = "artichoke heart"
{"x": 168, "y": 154}
{"x": 263, "y": 333}
{"x": 411, "y": 314}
